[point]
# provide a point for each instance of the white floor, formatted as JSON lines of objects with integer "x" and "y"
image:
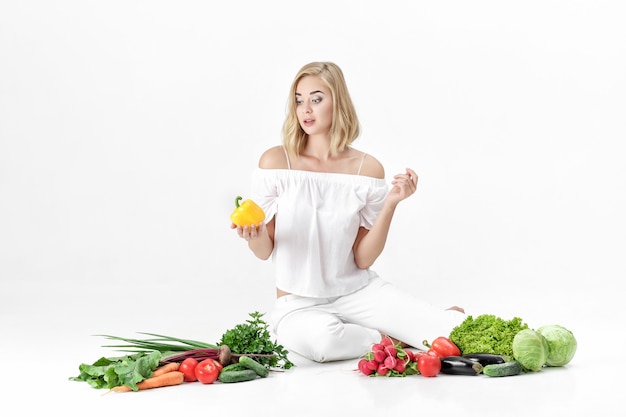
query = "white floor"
{"x": 128, "y": 128}
{"x": 48, "y": 331}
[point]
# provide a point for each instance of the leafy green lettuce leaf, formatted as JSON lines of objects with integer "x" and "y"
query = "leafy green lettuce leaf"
{"x": 487, "y": 333}
{"x": 123, "y": 370}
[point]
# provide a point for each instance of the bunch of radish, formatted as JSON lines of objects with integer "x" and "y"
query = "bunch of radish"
{"x": 388, "y": 359}
{"x": 443, "y": 356}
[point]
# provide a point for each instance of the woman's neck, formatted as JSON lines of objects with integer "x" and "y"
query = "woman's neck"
{"x": 318, "y": 147}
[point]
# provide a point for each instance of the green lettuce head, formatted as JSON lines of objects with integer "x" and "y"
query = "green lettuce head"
{"x": 561, "y": 344}
{"x": 530, "y": 349}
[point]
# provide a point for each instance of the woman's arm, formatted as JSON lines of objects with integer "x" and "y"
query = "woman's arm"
{"x": 260, "y": 239}
{"x": 368, "y": 245}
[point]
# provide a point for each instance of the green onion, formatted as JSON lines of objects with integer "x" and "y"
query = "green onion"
{"x": 156, "y": 344}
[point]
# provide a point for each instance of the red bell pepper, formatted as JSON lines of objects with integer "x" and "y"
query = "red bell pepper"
{"x": 443, "y": 347}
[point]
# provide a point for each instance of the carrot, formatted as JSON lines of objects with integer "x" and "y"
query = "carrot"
{"x": 164, "y": 380}
{"x": 169, "y": 367}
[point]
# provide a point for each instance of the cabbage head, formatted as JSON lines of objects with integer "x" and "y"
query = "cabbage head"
{"x": 561, "y": 344}
{"x": 530, "y": 349}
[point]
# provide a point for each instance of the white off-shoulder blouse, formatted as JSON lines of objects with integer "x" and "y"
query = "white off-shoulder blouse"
{"x": 317, "y": 217}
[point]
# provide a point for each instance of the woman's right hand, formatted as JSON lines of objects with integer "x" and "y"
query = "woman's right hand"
{"x": 251, "y": 232}
{"x": 260, "y": 238}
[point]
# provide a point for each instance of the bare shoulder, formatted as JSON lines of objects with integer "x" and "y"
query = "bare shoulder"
{"x": 273, "y": 158}
{"x": 372, "y": 167}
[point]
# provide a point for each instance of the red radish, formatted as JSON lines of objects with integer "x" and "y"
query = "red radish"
{"x": 379, "y": 356}
{"x": 382, "y": 369}
{"x": 390, "y": 362}
{"x": 391, "y": 351}
{"x": 386, "y": 341}
{"x": 388, "y": 359}
{"x": 377, "y": 346}
{"x": 372, "y": 364}
{"x": 400, "y": 366}
{"x": 364, "y": 367}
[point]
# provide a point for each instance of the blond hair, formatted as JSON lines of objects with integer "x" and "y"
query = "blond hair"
{"x": 345, "y": 124}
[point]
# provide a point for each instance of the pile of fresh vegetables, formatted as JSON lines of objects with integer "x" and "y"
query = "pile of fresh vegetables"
{"x": 139, "y": 372}
{"x": 485, "y": 345}
{"x": 443, "y": 356}
{"x": 243, "y": 353}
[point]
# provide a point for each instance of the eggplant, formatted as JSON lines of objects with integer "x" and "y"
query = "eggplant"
{"x": 485, "y": 358}
{"x": 458, "y": 365}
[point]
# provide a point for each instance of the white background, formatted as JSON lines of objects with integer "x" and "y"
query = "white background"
{"x": 127, "y": 128}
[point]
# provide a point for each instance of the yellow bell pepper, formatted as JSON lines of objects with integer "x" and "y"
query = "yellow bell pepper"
{"x": 246, "y": 214}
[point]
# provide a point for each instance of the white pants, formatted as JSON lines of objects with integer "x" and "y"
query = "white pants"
{"x": 339, "y": 328}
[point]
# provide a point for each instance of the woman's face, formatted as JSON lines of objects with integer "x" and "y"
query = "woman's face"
{"x": 314, "y": 106}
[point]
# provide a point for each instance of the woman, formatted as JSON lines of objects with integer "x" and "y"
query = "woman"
{"x": 328, "y": 212}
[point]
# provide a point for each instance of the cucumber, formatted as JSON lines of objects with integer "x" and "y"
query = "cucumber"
{"x": 237, "y": 376}
{"x": 234, "y": 367}
{"x": 503, "y": 369}
{"x": 250, "y": 363}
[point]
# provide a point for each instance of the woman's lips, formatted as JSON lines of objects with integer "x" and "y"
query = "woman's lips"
{"x": 308, "y": 122}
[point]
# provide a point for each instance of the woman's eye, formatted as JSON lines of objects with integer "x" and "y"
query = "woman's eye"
{"x": 298, "y": 102}
{"x": 316, "y": 100}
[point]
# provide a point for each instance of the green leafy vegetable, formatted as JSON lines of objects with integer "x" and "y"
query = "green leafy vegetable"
{"x": 530, "y": 349}
{"x": 487, "y": 333}
{"x": 252, "y": 337}
{"x": 561, "y": 344}
{"x": 249, "y": 338}
{"x": 123, "y": 370}
{"x": 145, "y": 355}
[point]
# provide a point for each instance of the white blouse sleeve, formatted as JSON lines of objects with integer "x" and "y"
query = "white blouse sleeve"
{"x": 265, "y": 192}
{"x": 373, "y": 205}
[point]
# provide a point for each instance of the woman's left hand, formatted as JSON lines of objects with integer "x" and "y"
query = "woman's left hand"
{"x": 403, "y": 185}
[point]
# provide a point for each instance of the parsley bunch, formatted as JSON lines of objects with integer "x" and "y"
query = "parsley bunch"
{"x": 252, "y": 337}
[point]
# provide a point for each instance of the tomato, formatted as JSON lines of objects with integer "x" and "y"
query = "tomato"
{"x": 419, "y": 354}
{"x": 445, "y": 347}
{"x": 208, "y": 370}
{"x": 429, "y": 365}
{"x": 188, "y": 368}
